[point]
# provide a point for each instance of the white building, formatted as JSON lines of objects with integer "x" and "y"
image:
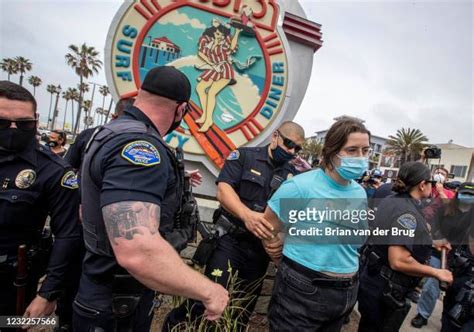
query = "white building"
{"x": 457, "y": 159}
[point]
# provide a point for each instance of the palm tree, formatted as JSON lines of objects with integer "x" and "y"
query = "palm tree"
{"x": 23, "y": 65}
{"x": 312, "y": 148}
{"x": 83, "y": 59}
{"x": 51, "y": 88}
{"x": 67, "y": 95}
{"x": 74, "y": 97}
{"x": 407, "y": 143}
{"x": 87, "y": 106}
{"x": 104, "y": 91}
{"x": 83, "y": 87}
{"x": 99, "y": 112}
{"x": 35, "y": 81}
{"x": 9, "y": 65}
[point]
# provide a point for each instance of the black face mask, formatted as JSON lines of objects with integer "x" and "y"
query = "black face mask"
{"x": 280, "y": 156}
{"x": 15, "y": 140}
{"x": 175, "y": 124}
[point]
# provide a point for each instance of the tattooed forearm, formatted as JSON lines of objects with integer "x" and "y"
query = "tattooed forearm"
{"x": 122, "y": 219}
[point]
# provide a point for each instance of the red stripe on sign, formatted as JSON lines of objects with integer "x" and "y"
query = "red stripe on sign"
{"x": 216, "y": 141}
{"x": 269, "y": 37}
{"x": 142, "y": 12}
{"x": 148, "y": 7}
{"x": 277, "y": 51}
{"x": 254, "y": 133}
{"x": 157, "y": 6}
{"x": 274, "y": 44}
{"x": 256, "y": 124}
{"x": 245, "y": 132}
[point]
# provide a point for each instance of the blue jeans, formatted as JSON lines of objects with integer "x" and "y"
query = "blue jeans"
{"x": 429, "y": 293}
{"x": 300, "y": 304}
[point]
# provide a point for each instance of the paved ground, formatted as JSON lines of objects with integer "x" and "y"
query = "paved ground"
{"x": 259, "y": 322}
{"x": 434, "y": 323}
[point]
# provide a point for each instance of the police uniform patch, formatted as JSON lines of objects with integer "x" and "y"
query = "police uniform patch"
{"x": 234, "y": 155}
{"x": 407, "y": 221}
{"x": 141, "y": 153}
{"x": 25, "y": 178}
{"x": 69, "y": 180}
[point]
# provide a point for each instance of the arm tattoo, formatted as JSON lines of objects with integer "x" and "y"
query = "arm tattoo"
{"x": 122, "y": 218}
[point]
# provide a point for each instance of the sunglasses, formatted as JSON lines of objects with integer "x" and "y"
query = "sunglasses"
{"x": 288, "y": 143}
{"x": 20, "y": 124}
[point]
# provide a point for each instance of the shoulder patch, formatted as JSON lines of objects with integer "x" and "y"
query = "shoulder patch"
{"x": 69, "y": 180}
{"x": 234, "y": 155}
{"x": 141, "y": 153}
{"x": 407, "y": 221}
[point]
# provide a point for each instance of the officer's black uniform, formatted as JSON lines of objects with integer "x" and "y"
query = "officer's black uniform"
{"x": 254, "y": 177}
{"x": 125, "y": 161}
{"x": 34, "y": 183}
{"x": 455, "y": 227}
{"x": 75, "y": 154}
{"x": 458, "y": 304}
{"x": 382, "y": 291}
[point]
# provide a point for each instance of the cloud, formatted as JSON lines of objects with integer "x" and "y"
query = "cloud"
{"x": 393, "y": 65}
{"x": 177, "y": 18}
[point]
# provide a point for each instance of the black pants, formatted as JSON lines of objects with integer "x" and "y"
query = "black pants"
{"x": 449, "y": 302}
{"x": 376, "y": 314}
{"x": 298, "y": 303}
{"x": 244, "y": 256}
{"x": 71, "y": 285}
{"x": 87, "y": 318}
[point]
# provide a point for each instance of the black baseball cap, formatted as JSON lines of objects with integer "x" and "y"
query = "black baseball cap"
{"x": 169, "y": 82}
{"x": 466, "y": 188}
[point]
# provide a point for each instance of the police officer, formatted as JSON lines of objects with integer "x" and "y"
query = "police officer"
{"x": 34, "y": 182}
{"x": 395, "y": 261}
{"x": 458, "y": 304}
{"x": 130, "y": 198}
{"x": 75, "y": 154}
{"x": 248, "y": 179}
{"x": 454, "y": 225}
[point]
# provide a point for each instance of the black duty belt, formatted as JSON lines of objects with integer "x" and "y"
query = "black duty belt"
{"x": 321, "y": 279}
{"x": 398, "y": 278}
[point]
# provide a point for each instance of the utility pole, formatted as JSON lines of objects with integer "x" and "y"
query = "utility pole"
{"x": 56, "y": 111}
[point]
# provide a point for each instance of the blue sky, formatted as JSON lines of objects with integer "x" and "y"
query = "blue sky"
{"x": 393, "y": 63}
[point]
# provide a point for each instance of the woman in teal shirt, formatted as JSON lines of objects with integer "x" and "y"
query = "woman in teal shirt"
{"x": 316, "y": 283}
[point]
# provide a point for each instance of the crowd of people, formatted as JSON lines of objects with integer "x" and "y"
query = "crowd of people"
{"x": 99, "y": 227}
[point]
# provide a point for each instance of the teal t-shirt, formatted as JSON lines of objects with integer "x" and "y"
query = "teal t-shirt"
{"x": 345, "y": 208}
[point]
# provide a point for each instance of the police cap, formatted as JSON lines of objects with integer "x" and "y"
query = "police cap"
{"x": 169, "y": 82}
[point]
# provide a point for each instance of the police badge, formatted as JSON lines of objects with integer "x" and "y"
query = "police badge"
{"x": 25, "y": 178}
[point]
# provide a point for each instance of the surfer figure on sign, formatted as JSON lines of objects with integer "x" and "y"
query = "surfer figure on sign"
{"x": 215, "y": 48}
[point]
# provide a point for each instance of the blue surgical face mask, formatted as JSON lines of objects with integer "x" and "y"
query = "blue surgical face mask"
{"x": 352, "y": 167}
{"x": 466, "y": 198}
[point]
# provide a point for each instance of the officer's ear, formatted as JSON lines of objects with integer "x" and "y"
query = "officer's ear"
{"x": 274, "y": 141}
{"x": 182, "y": 110}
